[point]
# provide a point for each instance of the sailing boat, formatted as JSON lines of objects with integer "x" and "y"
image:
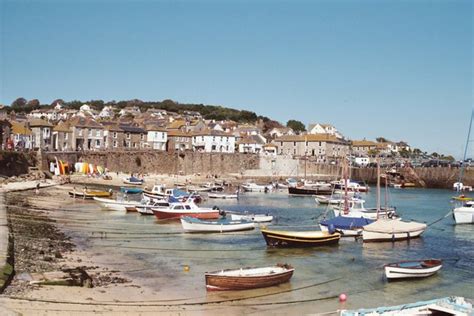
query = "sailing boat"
{"x": 384, "y": 229}
{"x": 464, "y": 214}
{"x": 344, "y": 222}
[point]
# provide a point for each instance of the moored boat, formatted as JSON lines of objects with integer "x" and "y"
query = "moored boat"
{"x": 347, "y": 226}
{"x": 464, "y": 214}
{"x": 196, "y": 225}
{"x": 146, "y": 208}
{"x": 248, "y": 278}
{"x": 189, "y": 208}
{"x": 412, "y": 269}
{"x": 256, "y": 218}
{"x": 131, "y": 190}
{"x": 115, "y": 205}
{"x": 253, "y": 187}
{"x": 453, "y": 305}
{"x": 313, "y": 190}
{"x": 392, "y": 230}
{"x": 89, "y": 194}
{"x": 277, "y": 238}
{"x": 222, "y": 196}
{"x": 133, "y": 180}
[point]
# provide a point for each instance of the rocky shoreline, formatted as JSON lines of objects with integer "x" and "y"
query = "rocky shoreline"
{"x": 42, "y": 250}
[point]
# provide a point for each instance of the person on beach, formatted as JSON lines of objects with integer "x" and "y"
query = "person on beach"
{"x": 37, "y": 188}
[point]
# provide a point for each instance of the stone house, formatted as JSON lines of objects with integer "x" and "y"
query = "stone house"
{"x": 361, "y": 148}
{"x": 41, "y": 131}
{"x": 21, "y": 135}
{"x": 114, "y": 136}
{"x": 156, "y": 137}
{"x": 87, "y": 134}
{"x": 214, "y": 141}
{"x": 322, "y": 147}
{"x": 62, "y": 137}
{"x": 5, "y": 131}
{"x": 135, "y": 136}
{"x": 179, "y": 141}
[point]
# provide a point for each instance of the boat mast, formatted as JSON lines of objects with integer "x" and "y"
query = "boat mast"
{"x": 378, "y": 186}
{"x": 386, "y": 192}
{"x": 465, "y": 149}
{"x": 346, "y": 204}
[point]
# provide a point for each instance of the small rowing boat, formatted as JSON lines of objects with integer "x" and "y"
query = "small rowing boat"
{"x": 222, "y": 196}
{"x": 248, "y": 278}
{"x": 412, "y": 269}
{"x": 256, "y": 218}
{"x": 195, "y": 225}
{"x": 116, "y": 205}
{"x": 131, "y": 190}
{"x": 275, "y": 238}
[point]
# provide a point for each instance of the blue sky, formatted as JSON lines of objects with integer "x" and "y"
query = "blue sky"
{"x": 399, "y": 69}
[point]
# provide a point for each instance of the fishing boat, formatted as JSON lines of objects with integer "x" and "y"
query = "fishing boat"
{"x": 133, "y": 180}
{"x": 256, "y": 218}
{"x": 412, "y": 269}
{"x": 115, "y": 205}
{"x": 160, "y": 191}
{"x": 312, "y": 191}
{"x": 453, "y": 305}
{"x": 89, "y": 194}
{"x": 462, "y": 198}
{"x": 223, "y": 196}
{"x": 350, "y": 185}
{"x": 188, "y": 208}
{"x": 196, "y": 225}
{"x": 248, "y": 278}
{"x": 464, "y": 214}
{"x": 253, "y": 187}
{"x": 276, "y": 238}
{"x": 357, "y": 209}
{"x": 131, "y": 190}
{"x": 346, "y": 226}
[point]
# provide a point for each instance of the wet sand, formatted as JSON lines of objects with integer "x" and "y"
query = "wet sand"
{"x": 55, "y": 242}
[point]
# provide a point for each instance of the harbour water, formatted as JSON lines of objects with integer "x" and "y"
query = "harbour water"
{"x": 157, "y": 255}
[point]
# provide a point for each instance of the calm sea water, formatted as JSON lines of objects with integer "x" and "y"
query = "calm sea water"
{"x": 155, "y": 253}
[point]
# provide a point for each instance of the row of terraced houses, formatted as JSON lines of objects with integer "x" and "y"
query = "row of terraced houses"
{"x": 86, "y": 130}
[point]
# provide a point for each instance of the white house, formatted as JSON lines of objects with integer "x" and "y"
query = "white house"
{"x": 213, "y": 141}
{"x": 280, "y": 131}
{"x": 157, "y": 137}
{"x": 107, "y": 112}
{"x": 361, "y": 161}
{"x": 324, "y": 129}
{"x": 252, "y": 144}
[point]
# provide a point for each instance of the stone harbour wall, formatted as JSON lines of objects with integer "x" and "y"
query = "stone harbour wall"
{"x": 161, "y": 162}
{"x": 15, "y": 163}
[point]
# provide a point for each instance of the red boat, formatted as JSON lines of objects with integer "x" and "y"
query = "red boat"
{"x": 188, "y": 208}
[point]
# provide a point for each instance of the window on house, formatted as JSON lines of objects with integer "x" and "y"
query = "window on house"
{"x": 294, "y": 151}
{"x": 97, "y": 133}
{"x": 294, "y": 143}
{"x": 66, "y": 135}
{"x": 90, "y": 132}
{"x": 97, "y": 143}
{"x": 79, "y": 131}
{"x": 115, "y": 134}
{"x": 127, "y": 144}
{"x": 213, "y": 147}
{"x": 281, "y": 143}
{"x": 213, "y": 138}
{"x": 128, "y": 135}
{"x": 115, "y": 144}
{"x": 142, "y": 136}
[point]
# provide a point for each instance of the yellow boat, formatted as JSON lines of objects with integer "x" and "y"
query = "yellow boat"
{"x": 462, "y": 198}
{"x": 89, "y": 194}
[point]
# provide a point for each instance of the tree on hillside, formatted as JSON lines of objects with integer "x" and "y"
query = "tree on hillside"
{"x": 270, "y": 124}
{"x": 20, "y": 102}
{"x": 33, "y": 103}
{"x": 435, "y": 154}
{"x": 297, "y": 126}
{"x": 55, "y": 102}
{"x": 381, "y": 140}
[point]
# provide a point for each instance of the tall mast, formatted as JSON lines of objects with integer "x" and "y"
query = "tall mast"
{"x": 386, "y": 192}
{"x": 378, "y": 186}
{"x": 346, "y": 203}
{"x": 465, "y": 148}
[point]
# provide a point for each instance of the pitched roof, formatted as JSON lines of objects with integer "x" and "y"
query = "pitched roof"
{"x": 176, "y": 124}
{"x": 208, "y": 132}
{"x": 363, "y": 143}
{"x": 251, "y": 139}
{"x": 178, "y": 133}
{"x": 132, "y": 129}
{"x": 39, "y": 123}
{"x": 309, "y": 138}
{"x": 20, "y": 128}
{"x": 62, "y": 127}
{"x": 80, "y": 121}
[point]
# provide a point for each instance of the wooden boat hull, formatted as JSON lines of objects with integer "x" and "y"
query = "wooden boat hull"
{"x": 115, "y": 205}
{"x": 215, "y": 282}
{"x": 412, "y": 269}
{"x": 295, "y": 239}
{"x": 309, "y": 191}
{"x": 344, "y": 232}
{"x": 162, "y": 214}
{"x": 215, "y": 227}
{"x": 256, "y": 218}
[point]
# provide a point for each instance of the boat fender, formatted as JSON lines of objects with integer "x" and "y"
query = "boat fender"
{"x": 222, "y": 213}
{"x": 215, "y": 207}
{"x": 331, "y": 228}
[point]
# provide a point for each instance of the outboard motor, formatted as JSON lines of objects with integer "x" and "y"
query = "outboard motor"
{"x": 222, "y": 213}
{"x": 331, "y": 228}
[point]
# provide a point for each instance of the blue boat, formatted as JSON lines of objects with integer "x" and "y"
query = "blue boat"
{"x": 131, "y": 190}
{"x": 347, "y": 226}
